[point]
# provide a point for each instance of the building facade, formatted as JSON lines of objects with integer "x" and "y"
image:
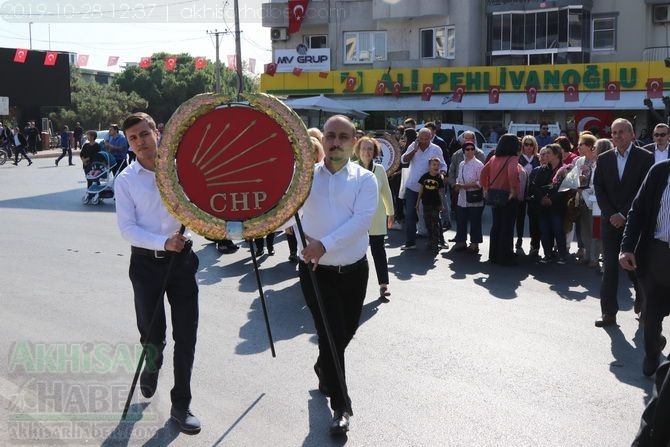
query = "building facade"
{"x": 484, "y": 63}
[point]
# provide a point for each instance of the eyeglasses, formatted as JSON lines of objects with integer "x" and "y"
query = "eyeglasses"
{"x": 656, "y": 135}
{"x": 469, "y": 148}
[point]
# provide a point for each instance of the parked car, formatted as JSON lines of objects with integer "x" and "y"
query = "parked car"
{"x": 102, "y": 135}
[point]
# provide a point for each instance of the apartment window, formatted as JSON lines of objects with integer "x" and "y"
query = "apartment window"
{"x": 364, "y": 47}
{"x": 603, "y": 33}
{"x": 317, "y": 41}
{"x": 439, "y": 42}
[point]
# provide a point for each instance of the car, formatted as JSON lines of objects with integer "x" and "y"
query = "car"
{"x": 102, "y": 135}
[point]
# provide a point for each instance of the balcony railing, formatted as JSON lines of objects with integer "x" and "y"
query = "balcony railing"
{"x": 655, "y": 53}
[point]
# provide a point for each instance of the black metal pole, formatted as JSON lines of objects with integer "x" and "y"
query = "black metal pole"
{"x": 262, "y": 295}
{"x": 151, "y": 325}
{"x": 322, "y": 311}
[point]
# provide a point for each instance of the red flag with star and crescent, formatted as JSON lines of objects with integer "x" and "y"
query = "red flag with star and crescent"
{"x": 270, "y": 69}
{"x": 427, "y": 92}
{"x": 613, "y": 91}
{"x": 200, "y": 62}
{"x": 297, "y": 71}
{"x": 82, "y": 60}
{"x": 296, "y": 14}
{"x": 531, "y": 94}
{"x": 20, "y": 55}
{"x": 570, "y": 93}
{"x": 170, "y": 63}
{"x": 50, "y": 58}
{"x": 494, "y": 94}
{"x": 350, "y": 84}
{"x": 381, "y": 88}
{"x": 654, "y": 87}
{"x": 458, "y": 93}
{"x": 145, "y": 62}
{"x": 397, "y": 87}
{"x": 112, "y": 60}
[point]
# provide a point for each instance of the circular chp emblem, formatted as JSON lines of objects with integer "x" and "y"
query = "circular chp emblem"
{"x": 234, "y": 170}
{"x": 390, "y": 156}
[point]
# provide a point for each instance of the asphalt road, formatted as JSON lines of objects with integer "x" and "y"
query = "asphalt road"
{"x": 465, "y": 354}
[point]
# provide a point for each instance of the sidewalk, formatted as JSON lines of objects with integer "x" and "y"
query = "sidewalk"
{"x": 52, "y": 153}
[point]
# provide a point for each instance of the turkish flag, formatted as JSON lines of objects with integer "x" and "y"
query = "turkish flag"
{"x": 170, "y": 63}
{"x": 531, "y": 94}
{"x": 145, "y": 62}
{"x": 380, "y": 89}
{"x": 200, "y": 62}
{"x": 82, "y": 60}
{"x": 50, "y": 58}
{"x": 494, "y": 94}
{"x": 350, "y": 84}
{"x": 20, "y": 55}
{"x": 112, "y": 60}
{"x": 570, "y": 93}
{"x": 297, "y": 71}
{"x": 323, "y": 74}
{"x": 232, "y": 61}
{"x": 613, "y": 91}
{"x": 654, "y": 87}
{"x": 395, "y": 90}
{"x": 458, "y": 93}
{"x": 296, "y": 14}
{"x": 270, "y": 69}
{"x": 427, "y": 92}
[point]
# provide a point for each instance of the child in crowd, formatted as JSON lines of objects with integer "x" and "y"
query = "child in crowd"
{"x": 430, "y": 193}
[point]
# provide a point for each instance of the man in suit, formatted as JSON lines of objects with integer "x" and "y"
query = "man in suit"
{"x": 645, "y": 249}
{"x": 660, "y": 145}
{"x": 617, "y": 178}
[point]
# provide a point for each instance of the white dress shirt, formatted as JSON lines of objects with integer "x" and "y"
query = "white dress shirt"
{"x": 339, "y": 210}
{"x": 419, "y": 164}
{"x": 140, "y": 214}
{"x": 622, "y": 159}
{"x": 660, "y": 155}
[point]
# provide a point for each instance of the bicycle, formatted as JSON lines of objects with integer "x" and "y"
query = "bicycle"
{"x": 5, "y": 153}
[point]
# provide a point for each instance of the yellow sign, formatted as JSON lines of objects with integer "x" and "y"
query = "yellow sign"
{"x": 510, "y": 78}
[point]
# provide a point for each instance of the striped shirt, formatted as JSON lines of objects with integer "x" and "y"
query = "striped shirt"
{"x": 662, "y": 231}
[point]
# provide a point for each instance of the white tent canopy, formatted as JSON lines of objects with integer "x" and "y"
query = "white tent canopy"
{"x": 324, "y": 104}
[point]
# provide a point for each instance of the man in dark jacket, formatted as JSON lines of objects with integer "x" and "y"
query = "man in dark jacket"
{"x": 645, "y": 249}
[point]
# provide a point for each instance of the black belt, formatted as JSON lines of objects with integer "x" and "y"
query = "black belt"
{"x": 342, "y": 269}
{"x": 156, "y": 254}
{"x": 660, "y": 242}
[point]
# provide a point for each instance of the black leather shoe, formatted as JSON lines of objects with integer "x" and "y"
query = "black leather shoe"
{"x": 188, "y": 423}
{"x": 148, "y": 382}
{"x": 606, "y": 320}
{"x": 260, "y": 252}
{"x": 340, "y": 424}
{"x": 271, "y": 251}
{"x": 323, "y": 389}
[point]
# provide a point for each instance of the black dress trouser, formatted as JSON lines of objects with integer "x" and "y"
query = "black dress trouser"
{"x": 147, "y": 275}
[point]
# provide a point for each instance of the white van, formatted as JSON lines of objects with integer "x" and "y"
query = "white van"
{"x": 460, "y": 128}
{"x": 521, "y": 129}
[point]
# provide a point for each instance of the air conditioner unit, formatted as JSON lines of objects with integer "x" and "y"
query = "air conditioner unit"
{"x": 278, "y": 34}
{"x": 661, "y": 13}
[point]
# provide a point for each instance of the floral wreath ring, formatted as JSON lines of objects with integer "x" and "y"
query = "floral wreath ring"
{"x": 230, "y": 170}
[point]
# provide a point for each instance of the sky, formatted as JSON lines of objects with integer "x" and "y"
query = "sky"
{"x": 138, "y": 28}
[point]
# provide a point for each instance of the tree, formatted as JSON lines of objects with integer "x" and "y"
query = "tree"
{"x": 96, "y": 105}
{"x": 165, "y": 89}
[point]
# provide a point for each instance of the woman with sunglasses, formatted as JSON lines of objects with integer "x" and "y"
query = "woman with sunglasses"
{"x": 528, "y": 160}
{"x": 468, "y": 211}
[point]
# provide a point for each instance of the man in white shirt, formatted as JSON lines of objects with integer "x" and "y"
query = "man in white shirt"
{"x": 336, "y": 217}
{"x": 417, "y": 155}
{"x": 155, "y": 238}
{"x": 660, "y": 145}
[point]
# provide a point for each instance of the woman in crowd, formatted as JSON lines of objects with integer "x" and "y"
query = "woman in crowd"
{"x": 589, "y": 196}
{"x": 528, "y": 160}
{"x": 500, "y": 176}
{"x": 550, "y": 203}
{"x": 468, "y": 211}
{"x": 583, "y": 168}
{"x": 366, "y": 149}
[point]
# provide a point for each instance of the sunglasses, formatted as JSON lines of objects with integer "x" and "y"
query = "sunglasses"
{"x": 528, "y": 143}
{"x": 656, "y": 135}
{"x": 468, "y": 148}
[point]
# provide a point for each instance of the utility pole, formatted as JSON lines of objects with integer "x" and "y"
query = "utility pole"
{"x": 217, "y": 73}
{"x": 238, "y": 51}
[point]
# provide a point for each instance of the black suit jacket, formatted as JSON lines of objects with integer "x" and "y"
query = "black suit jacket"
{"x": 652, "y": 148}
{"x": 614, "y": 195}
{"x": 641, "y": 223}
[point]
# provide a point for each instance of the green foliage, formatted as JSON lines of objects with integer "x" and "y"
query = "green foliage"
{"x": 165, "y": 90}
{"x": 96, "y": 105}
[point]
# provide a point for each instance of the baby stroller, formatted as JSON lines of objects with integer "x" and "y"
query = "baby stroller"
{"x": 101, "y": 179}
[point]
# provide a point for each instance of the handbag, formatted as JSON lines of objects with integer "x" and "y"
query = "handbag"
{"x": 474, "y": 195}
{"x": 497, "y": 197}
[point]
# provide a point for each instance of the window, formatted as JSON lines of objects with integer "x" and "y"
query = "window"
{"x": 604, "y": 33}
{"x": 364, "y": 47}
{"x": 319, "y": 41}
{"x": 438, "y": 42}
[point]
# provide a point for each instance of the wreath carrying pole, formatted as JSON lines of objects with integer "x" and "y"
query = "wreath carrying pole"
{"x": 262, "y": 295}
